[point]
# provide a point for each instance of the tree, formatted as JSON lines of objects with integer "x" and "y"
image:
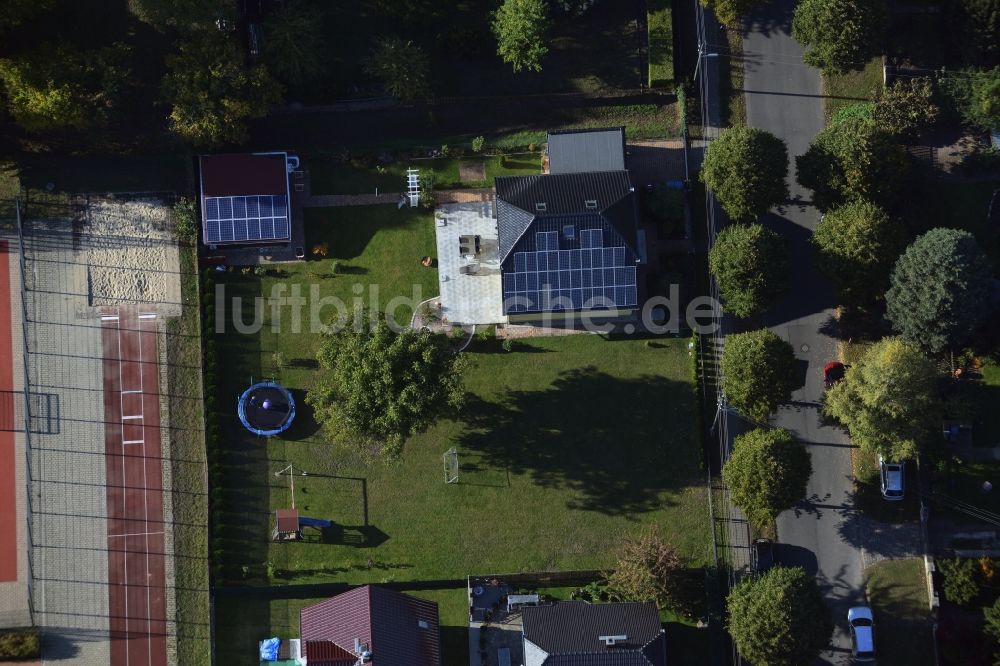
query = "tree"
{"x": 401, "y": 66}
{"x": 650, "y": 569}
{"x": 59, "y": 87}
{"x": 746, "y": 169}
{"x": 887, "y": 399}
{"x": 992, "y": 616}
{"x": 941, "y": 289}
{"x": 779, "y": 618}
{"x": 750, "y": 264}
{"x": 294, "y": 44}
{"x": 906, "y": 108}
{"x": 978, "y": 23}
{"x": 182, "y": 14}
{"x": 16, "y": 12}
{"x": 212, "y": 93}
{"x": 521, "y": 28}
{"x": 857, "y": 245}
{"x": 959, "y": 579}
{"x": 758, "y": 371}
{"x": 378, "y": 387}
{"x": 767, "y": 473}
{"x": 852, "y": 159}
{"x": 975, "y": 96}
{"x": 729, "y": 12}
{"x": 840, "y": 34}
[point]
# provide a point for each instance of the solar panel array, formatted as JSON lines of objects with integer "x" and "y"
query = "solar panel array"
{"x": 591, "y": 276}
{"x": 242, "y": 219}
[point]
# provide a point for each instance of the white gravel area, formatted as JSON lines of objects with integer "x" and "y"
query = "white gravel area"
{"x": 131, "y": 254}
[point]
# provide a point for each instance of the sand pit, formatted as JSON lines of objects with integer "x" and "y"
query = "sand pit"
{"x": 131, "y": 254}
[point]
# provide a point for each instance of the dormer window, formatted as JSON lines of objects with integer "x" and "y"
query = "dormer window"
{"x": 540, "y": 207}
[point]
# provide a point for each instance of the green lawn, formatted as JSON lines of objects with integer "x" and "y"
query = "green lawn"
{"x": 869, "y": 494}
{"x": 854, "y": 87}
{"x": 898, "y": 596}
{"x": 660, "y": 28}
{"x": 362, "y": 176}
{"x": 734, "y": 105}
{"x": 957, "y": 204}
{"x": 565, "y": 444}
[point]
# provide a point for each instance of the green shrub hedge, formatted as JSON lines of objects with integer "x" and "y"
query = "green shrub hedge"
{"x": 21, "y": 644}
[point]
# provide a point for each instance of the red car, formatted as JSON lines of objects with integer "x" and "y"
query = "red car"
{"x": 833, "y": 372}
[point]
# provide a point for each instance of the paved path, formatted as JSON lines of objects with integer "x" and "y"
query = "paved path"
{"x": 783, "y": 96}
{"x": 443, "y": 196}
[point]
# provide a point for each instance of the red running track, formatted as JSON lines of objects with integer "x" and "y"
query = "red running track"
{"x": 8, "y": 475}
{"x": 137, "y": 610}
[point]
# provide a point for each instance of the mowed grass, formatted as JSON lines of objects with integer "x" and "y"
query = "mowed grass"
{"x": 660, "y": 27}
{"x": 854, "y": 87}
{"x": 335, "y": 176}
{"x": 565, "y": 444}
{"x": 898, "y": 596}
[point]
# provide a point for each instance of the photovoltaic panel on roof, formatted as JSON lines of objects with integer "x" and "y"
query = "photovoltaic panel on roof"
{"x": 246, "y": 218}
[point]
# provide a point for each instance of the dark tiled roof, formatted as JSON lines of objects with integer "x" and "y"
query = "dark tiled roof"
{"x": 578, "y": 151}
{"x": 518, "y": 199}
{"x": 243, "y": 174}
{"x": 568, "y": 631}
{"x": 388, "y": 622}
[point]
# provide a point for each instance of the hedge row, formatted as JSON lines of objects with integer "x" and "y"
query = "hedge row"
{"x": 213, "y": 441}
{"x": 20, "y": 644}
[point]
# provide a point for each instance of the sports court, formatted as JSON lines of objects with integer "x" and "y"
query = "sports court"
{"x": 137, "y": 611}
{"x": 99, "y": 287}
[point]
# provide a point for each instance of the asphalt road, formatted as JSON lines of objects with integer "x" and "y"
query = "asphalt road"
{"x": 783, "y": 97}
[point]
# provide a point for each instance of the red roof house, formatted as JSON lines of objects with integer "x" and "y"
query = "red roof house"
{"x": 393, "y": 629}
{"x": 245, "y": 198}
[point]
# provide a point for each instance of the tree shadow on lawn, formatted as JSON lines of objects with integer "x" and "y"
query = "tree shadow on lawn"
{"x": 612, "y": 441}
{"x": 349, "y": 230}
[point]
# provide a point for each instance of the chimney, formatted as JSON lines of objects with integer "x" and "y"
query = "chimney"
{"x": 611, "y": 641}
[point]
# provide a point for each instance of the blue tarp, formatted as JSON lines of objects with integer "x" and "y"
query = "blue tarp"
{"x": 314, "y": 522}
{"x": 269, "y": 649}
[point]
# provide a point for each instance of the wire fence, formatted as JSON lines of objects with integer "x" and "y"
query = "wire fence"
{"x": 29, "y": 509}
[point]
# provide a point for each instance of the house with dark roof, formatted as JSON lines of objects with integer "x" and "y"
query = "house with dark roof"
{"x": 577, "y": 633}
{"x": 568, "y": 242}
{"x": 245, "y": 198}
{"x": 373, "y": 624}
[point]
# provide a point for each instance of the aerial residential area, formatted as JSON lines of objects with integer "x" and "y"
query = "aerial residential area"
{"x": 499, "y": 332}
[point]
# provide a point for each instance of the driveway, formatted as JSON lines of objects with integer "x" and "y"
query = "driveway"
{"x": 783, "y": 97}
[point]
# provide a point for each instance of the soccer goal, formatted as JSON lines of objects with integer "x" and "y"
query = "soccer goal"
{"x": 451, "y": 465}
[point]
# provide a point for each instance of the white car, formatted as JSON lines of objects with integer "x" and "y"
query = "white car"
{"x": 862, "y": 633}
{"x": 891, "y": 480}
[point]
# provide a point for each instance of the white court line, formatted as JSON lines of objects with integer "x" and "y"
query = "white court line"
{"x": 147, "y": 315}
{"x": 134, "y": 441}
{"x": 119, "y": 369}
{"x": 130, "y": 534}
{"x": 109, "y": 317}
{"x": 133, "y": 416}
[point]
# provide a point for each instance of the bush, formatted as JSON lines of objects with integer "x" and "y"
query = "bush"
{"x": 21, "y": 644}
{"x": 478, "y": 143}
{"x": 959, "y": 583}
{"x": 185, "y": 221}
{"x": 981, "y": 161}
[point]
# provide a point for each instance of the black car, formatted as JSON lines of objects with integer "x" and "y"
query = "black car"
{"x": 762, "y": 553}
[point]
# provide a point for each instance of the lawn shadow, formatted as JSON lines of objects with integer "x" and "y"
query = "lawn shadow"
{"x": 603, "y": 437}
{"x": 347, "y": 231}
{"x": 304, "y": 425}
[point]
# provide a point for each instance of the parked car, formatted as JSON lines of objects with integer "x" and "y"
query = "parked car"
{"x": 862, "y": 633}
{"x": 763, "y": 555}
{"x": 833, "y": 372}
{"x": 891, "y": 479}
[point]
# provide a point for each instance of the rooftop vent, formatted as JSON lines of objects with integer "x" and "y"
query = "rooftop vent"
{"x": 423, "y": 624}
{"x": 611, "y": 641}
{"x": 569, "y": 231}
{"x": 591, "y": 204}
{"x": 540, "y": 207}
